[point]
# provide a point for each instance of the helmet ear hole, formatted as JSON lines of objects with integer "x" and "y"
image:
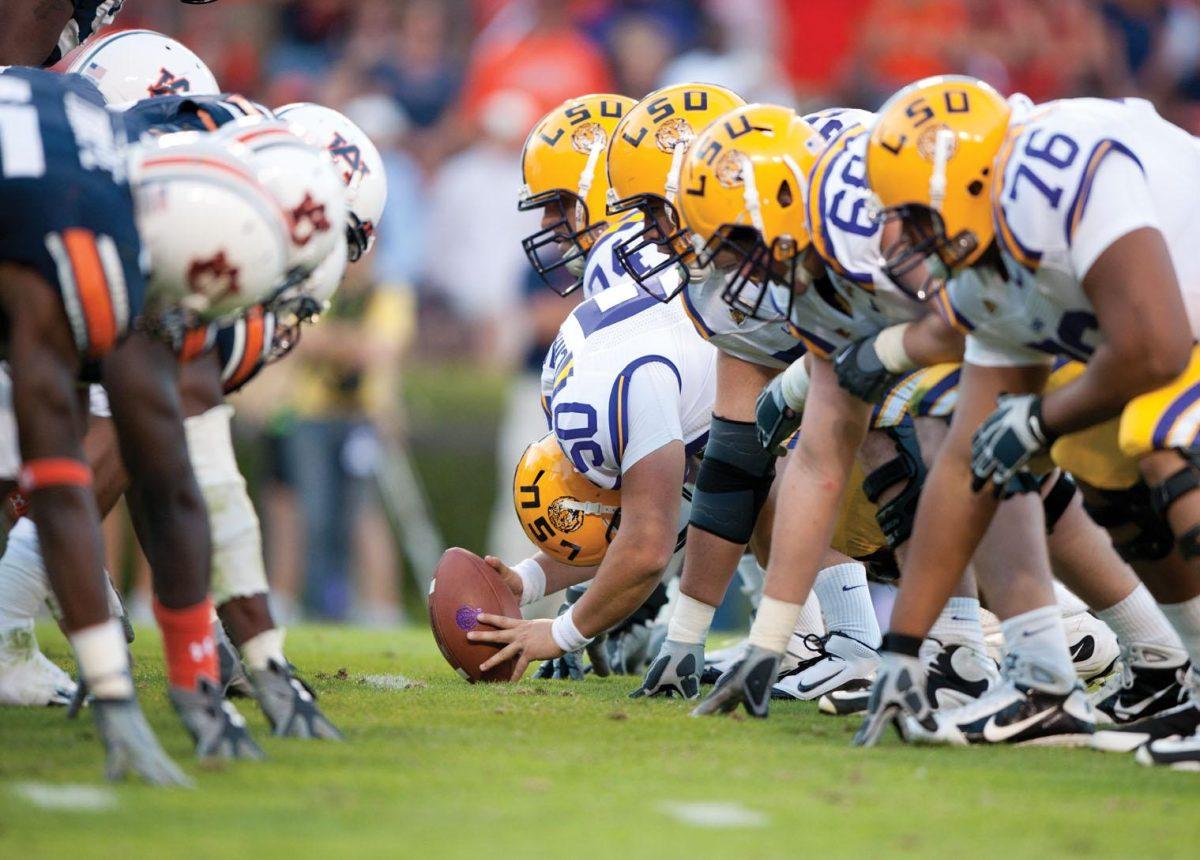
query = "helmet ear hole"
{"x": 975, "y": 188}
{"x": 784, "y": 196}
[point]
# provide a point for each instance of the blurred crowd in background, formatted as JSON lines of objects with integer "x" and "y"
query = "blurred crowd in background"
{"x": 448, "y": 89}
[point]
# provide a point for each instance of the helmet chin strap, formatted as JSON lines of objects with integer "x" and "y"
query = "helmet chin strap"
{"x": 672, "y": 186}
{"x": 589, "y": 508}
{"x": 937, "y": 180}
{"x": 750, "y": 196}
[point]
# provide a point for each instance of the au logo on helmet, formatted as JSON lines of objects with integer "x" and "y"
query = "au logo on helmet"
{"x": 214, "y": 278}
{"x": 168, "y": 84}
{"x": 349, "y": 155}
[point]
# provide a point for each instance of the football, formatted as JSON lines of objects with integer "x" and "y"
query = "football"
{"x": 463, "y": 588}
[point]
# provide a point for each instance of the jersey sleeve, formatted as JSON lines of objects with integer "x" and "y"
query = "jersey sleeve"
{"x": 647, "y": 412}
{"x": 1113, "y": 200}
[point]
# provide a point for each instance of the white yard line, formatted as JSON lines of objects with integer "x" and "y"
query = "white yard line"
{"x": 715, "y": 814}
{"x": 67, "y": 797}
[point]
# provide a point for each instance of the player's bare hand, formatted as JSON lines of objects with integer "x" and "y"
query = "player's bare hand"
{"x": 507, "y": 574}
{"x": 525, "y": 640}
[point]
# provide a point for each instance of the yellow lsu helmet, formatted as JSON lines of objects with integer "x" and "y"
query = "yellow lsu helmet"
{"x": 930, "y": 162}
{"x": 563, "y": 164}
{"x": 741, "y": 195}
{"x": 562, "y": 512}
{"x": 644, "y": 159}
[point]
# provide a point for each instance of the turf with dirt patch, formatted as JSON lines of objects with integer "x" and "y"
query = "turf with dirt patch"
{"x": 434, "y": 767}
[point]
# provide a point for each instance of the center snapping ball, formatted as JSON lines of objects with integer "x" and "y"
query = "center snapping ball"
{"x": 464, "y": 588}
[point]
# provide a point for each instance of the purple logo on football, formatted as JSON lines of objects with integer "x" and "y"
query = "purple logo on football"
{"x": 467, "y": 617}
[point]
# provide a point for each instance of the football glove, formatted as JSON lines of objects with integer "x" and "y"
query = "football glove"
{"x": 568, "y": 667}
{"x": 1007, "y": 440}
{"x": 860, "y": 371}
{"x": 747, "y": 684}
{"x": 675, "y": 671}
{"x": 775, "y": 419}
{"x": 898, "y": 690}
{"x": 131, "y": 744}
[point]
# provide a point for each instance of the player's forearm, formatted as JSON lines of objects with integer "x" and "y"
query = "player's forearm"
{"x": 627, "y": 576}
{"x": 1113, "y": 378}
{"x": 560, "y": 575}
{"x": 931, "y": 340}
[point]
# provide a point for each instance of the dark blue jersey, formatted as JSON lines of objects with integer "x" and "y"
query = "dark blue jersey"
{"x": 65, "y": 205}
{"x": 163, "y": 114}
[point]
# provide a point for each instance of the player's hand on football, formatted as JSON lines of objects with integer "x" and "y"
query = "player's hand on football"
{"x": 525, "y": 640}
{"x": 1007, "y": 440}
{"x": 507, "y": 575}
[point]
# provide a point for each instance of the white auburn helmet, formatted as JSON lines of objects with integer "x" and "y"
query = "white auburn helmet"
{"x": 356, "y": 159}
{"x": 304, "y": 182}
{"x": 131, "y": 65}
{"x": 217, "y": 240}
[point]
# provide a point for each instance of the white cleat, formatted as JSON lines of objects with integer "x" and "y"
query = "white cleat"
{"x": 956, "y": 674}
{"x": 27, "y": 677}
{"x": 1094, "y": 647}
{"x": 840, "y": 661}
{"x": 1012, "y": 714}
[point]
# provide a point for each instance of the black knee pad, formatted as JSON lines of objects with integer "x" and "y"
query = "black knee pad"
{"x": 1171, "y": 490}
{"x": 1056, "y": 500}
{"x": 896, "y": 516}
{"x": 1133, "y": 506}
{"x": 733, "y": 482}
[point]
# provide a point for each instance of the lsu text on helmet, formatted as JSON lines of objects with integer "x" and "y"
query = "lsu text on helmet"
{"x": 131, "y": 65}
{"x": 562, "y": 512}
{"x": 741, "y": 194}
{"x": 644, "y": 163}
{"x": 929, "y": 163}
{"x": 356, "y": 160}
{"x": 563, "y": 171}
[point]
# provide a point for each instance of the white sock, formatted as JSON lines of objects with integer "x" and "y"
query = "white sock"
{"x": 1037, "y": 638}
{"x": 259, "y": 650}
{"x": 752, "y": 577}
{"x": 1137, "y": 619}
{"x": 24, "y": 585}
{"x": 810, "y": 624}
{"x": 690, "y": 621}
{"x": 846, "y": 602}
{"x": 1185, "y": 618}
{"x": 959, "y": 624}
{"x": 103, "y": 660}
{"x": 1067, "y": 602}
{"x": 774, "y": 623}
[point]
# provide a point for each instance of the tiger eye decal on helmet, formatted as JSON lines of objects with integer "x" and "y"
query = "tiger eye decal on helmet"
{"x": 743, "y": 189}
{"x": 644, "y": 161}
{"x": 563, "y": 165}
{"x": 562, "y": 512}
{"x": 929, "y": 162}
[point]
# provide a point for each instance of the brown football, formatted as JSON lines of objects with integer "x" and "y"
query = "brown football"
{"x": 463, "y": 588}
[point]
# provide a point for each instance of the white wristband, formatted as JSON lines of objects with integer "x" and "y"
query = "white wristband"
{"x": 889, "y": 346}
{"x": 794, "y": 385}
{"x": 533, "y": 580}
{"x": 566, "y": 634}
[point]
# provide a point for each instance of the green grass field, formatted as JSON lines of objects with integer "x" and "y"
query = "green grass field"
{"x": 444, "y": 769}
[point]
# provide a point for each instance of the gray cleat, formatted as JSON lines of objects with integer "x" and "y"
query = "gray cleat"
{"x": 214, "y": 724}
{"x": 747, "y": 684}
{"x": 290, "y": 705}
{"x": 674, "y": 672}
{"x": 131, "y": 744}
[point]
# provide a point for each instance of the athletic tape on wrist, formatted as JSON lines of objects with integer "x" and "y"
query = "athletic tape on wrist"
{"x": 566, "y": 634}
{"x": 533, "y": 580}
{"x": 54, "y": 472}
{"x": 889, "y": 346}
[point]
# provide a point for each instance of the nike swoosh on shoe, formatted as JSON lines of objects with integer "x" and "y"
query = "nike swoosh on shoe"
{"x": 994, "y": 733}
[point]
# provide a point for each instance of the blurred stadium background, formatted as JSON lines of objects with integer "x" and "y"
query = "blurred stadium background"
{"x": 430, "y": 354}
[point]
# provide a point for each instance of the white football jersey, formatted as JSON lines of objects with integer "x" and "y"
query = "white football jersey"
{"x": 766, "y": 341}
{"x": 858, "y": 299}
{"x": 603, "y": 268}
{"x": 626, "y": 375}
{"x": 1073, "y": 177}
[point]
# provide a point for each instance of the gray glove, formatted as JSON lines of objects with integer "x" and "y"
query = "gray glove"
{"x": 898, "y": 690}
{"x": 776, "y": 420}
{"x": 131, "y": 744}
{"x": 860, "y": 371}
{"x": 568, "y": 667}
{"x": 674, "y": 672}
{"x": 747, "y": 684}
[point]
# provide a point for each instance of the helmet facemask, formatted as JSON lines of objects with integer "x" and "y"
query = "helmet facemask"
{"x": 923, "y": 257}
{"x": 560, "y": 244}
{"x": 755, "y": 272}
{"x": 660, "y": 234}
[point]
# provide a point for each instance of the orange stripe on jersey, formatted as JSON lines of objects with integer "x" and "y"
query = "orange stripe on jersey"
{"x": 206, "y": 118}
{"x": 194, "y": 342}
{"x": 255, "y": 332}
{"x": 92, "y": 286}
{"x": 245, "y": 104}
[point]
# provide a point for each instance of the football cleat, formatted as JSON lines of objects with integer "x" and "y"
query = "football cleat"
{"x": 1147, "y": 682}
{"x": 839, "y": 660}
{"x": 218, "y": 730}
{"x": 1012, "y": 713}
{"x": 1176, "y": 753}
{"x": 956, "y": 674}
{"x": 1182, "y": 720}
{"x": 747, "y": 684}
{"x": 290, "y": 705}
{"x": 1094, "y": 647}
{"x": 674, "y": 672}
{"x": 131, "y": 744}
{"x": 897, "y": 695}
{"x": 27, "y": 677}
{"x": 846, "y": 700}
